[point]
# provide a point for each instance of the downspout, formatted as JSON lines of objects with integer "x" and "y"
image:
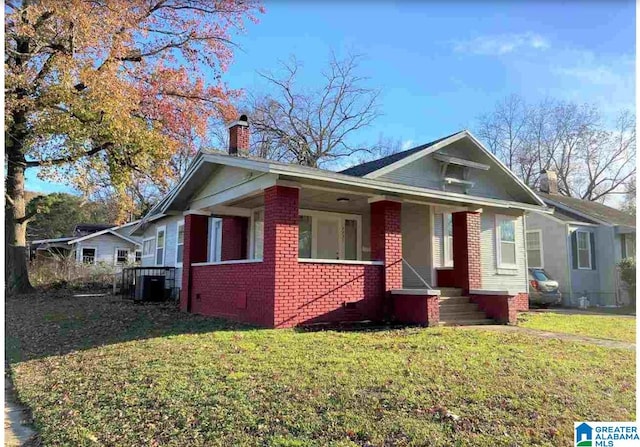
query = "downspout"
{"x": 568, "y": 258}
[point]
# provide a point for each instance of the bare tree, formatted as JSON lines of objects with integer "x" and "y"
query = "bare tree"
{"x": 593, "y": 162}
{"x": 317, "y": 126}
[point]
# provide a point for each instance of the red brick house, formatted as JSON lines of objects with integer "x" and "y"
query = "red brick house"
{"x": 429, "y": 235}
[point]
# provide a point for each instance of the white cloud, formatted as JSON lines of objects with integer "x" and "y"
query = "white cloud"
{"x": 501, "y": 44}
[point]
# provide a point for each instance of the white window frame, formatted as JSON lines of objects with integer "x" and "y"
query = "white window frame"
{"x": 164, "y": 246}
{"x": 152, "y": 247}
{"x": 95, "y": 254}
{"x": 252, "y": 233}
{"x": 214, "y": 252}
{"x": 314, "y": 214}
{"x": 178, "y": 225}
{"x": 340, "y": 220}
{"x": 588, "y": 233}
{"x": 539, "y": 232}
{"x": 135, "y": 255}
{"x": 447, "y": 241}
{"x": 498, "y": 220}
{"x": 115, "y": 255}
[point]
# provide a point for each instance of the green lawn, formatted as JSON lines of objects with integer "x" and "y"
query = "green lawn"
{"x": 109, "y": 373}
{"x": 610, "y": 327}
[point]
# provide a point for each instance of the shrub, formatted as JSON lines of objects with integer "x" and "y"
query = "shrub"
{"x": 61, "y": 272}
{"x": 628, "y": 275}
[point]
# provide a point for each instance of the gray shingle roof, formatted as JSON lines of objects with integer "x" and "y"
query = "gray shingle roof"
{"x": 594, "y": 210}
{"x": 370, "y": 166}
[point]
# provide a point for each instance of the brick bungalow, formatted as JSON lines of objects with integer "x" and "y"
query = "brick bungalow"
{"x": 434, "y": 234}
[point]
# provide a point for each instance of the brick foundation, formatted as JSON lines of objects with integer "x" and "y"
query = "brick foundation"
{"x": 522, "y": 302}
{"x": 501, "y": 308}
{"x": 416, "y": 309}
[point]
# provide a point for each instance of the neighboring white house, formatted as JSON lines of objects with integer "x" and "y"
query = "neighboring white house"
{"x": 110, "y": 245}
{"x": 580, "y": 245}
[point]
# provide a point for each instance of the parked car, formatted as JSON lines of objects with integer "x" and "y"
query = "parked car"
{"x": 543, "y": 290}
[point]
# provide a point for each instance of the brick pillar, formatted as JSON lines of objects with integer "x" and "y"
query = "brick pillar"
{"x": 280, "y": 250}
{"x": 386, "y": 241}
{"x": 195, "y": 250}
{"x": 466, "y": 250}
{"x": 234, "y": 238}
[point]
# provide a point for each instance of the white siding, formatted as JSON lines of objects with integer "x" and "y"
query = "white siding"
{"x": 416, "y": 248}
{"x": 225, "y": 177}
{"x": 494, "y": 278}
{"x": 171, "y": 224}
{"x": 105, "y": 246}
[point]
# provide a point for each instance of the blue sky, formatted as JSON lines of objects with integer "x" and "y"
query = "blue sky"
{"x": 439, "y": 65}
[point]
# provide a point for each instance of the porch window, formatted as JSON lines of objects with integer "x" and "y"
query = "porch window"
{"x": 215, "y": 239}
{"x": 88, "y": 255}
{"x": 179, "y": 243}
{"x": 257, "y": 225}
{"x": 447, "y": 225}
{"x": 122, "y": 256}
{"x": 584, "y": 250}
{"x": 160, "y": 242}
{"x": 324, "y": 235}
{"x": 506, "y": 241}
{"x": 534, "y": 249}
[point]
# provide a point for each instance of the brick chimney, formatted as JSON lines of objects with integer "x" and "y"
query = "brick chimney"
{"x": 239, "y": 136}
{"x": 549, "y": 181}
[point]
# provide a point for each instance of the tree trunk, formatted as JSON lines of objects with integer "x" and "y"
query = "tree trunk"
{"x": 16, "y": 273}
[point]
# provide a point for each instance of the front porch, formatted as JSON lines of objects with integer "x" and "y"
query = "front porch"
{"x": 294, "y": 254}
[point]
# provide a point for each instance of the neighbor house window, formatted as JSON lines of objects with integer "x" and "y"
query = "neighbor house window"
{"x": 215, "y": 239}
{"x": 161, "y": 233}
{"x": 122, "y": 256}
{"x": 534, "y": 248}
{"x": 257, "y": 225}
{"x": 147, "y": 247}
{"x": 138, "y": 256}
{"x": 88, "y": 255}
{"x": 447, "y": 225}
{"x": 179, "y": 242}
{"x": 323, "y": 235}
{"x": 506, "y": 241}
{"x": 583, "y": 239}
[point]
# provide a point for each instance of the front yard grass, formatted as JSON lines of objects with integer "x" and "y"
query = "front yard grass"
{"x": 598, "y": 326}
{"x": 101, "y": 372}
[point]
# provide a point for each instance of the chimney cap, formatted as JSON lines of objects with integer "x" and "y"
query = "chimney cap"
{"x": 241, "y": 121}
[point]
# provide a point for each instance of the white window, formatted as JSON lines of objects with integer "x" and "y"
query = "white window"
{"x": 179, "y": 243}
{"x": 257, "y": 233}
{"x": 506, "y": 241}
{"x": 122, "y": 256}
{"x": 447, "y": 225}
{"x": 147, "y": 247}
{"x": 215, "y": 239}
{"x": 323, "y": 235}
{"x": 534, "y": 249}
{"x": 584, "y": 249}
{"x": 160, "y": 242}
{"x": 89, "y": 255}
{"x": 138, "y": 256}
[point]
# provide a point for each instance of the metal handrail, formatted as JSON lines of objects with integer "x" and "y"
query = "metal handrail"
{"x": 417, "y": 274}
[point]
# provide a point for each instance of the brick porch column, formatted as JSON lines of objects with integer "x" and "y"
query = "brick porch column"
{"x": 196, "y": 228}
{"x": 234, "y": 238}
{"x": 280, "y": 250}
{"x": 386, "y": 241}
{"x": 466, "y": 250}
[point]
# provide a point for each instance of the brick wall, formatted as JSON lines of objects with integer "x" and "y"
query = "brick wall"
{"x": 386, "y": 241}
{"x": 501, "y": 308}
{"x": 195, "y": 250}
{"x": 416, "y": 309}
{"x": 466, "y": 251}
{"x": 522, "y": 302}
{"x": 234, "y": 238}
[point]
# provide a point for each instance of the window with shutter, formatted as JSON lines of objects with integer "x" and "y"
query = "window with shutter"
{"x": 583, "y": 249}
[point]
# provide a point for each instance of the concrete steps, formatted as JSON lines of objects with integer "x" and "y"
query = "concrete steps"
{"x": 457, "y": 310}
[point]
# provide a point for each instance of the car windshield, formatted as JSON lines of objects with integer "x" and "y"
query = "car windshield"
{"x": 540, "y": 275}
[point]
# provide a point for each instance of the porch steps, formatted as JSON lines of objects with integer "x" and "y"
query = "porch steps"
{"x": 457, "y": 310}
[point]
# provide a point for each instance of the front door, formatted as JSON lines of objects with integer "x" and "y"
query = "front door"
{"x": 328, "y": 237}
